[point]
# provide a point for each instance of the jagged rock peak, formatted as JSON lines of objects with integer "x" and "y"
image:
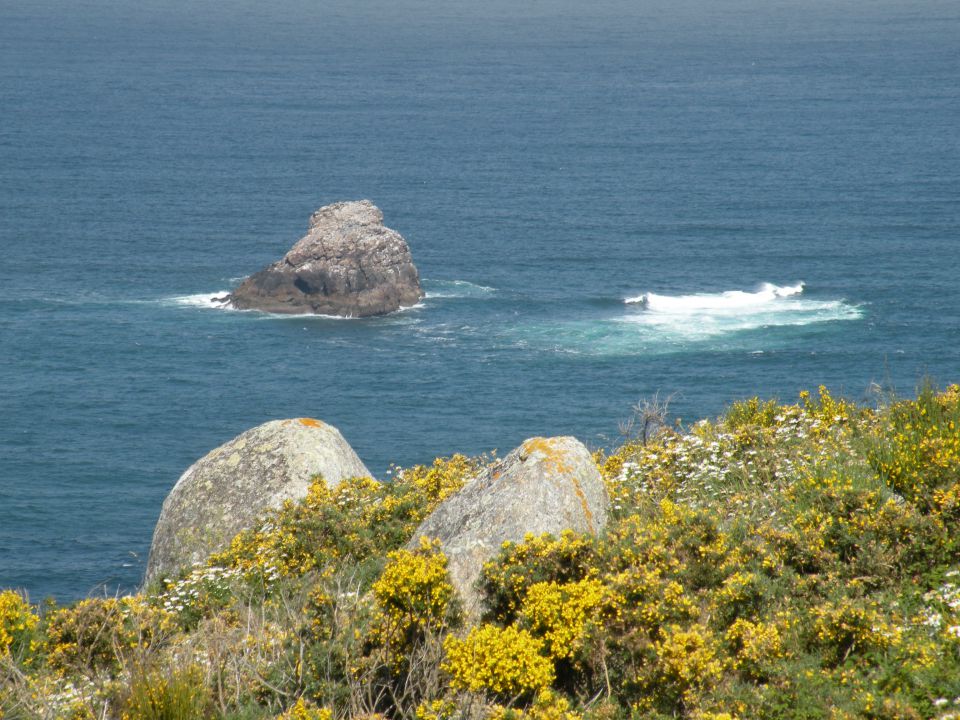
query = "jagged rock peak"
{"x": 361, "y": 212}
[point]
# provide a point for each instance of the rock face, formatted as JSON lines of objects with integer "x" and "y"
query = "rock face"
{"x": 224, "y": 492}
{"x": 545, "y": 485}
{"x": 347, "y": 264}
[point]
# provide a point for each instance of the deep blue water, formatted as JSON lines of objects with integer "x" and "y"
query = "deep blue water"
{"x": 546, "y": 160}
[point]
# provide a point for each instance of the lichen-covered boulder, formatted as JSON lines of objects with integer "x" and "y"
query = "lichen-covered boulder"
{"x": 227, "y": 489}
{"x": 348, "y": 264}
{"x": 546, "y": 485}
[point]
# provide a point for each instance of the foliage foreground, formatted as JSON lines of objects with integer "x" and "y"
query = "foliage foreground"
{"x": 784, "y": 561}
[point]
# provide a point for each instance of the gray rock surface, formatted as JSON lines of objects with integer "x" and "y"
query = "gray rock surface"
{"x": 226, "y": 490}
{"x": 347, "y": 264}
{"x": 545, "y": 485}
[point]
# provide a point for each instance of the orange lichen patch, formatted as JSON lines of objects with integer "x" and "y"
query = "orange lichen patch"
{"x": 310, "y": 422}
{"x": 583, "y": 502}
{"x": 551, "y": 450}
{"x": 539, "y": 444}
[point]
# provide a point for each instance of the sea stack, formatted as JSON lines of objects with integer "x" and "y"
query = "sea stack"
{"x": 348, "y": 264}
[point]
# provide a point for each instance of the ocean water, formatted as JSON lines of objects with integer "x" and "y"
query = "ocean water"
{"x": 605, "y": 200}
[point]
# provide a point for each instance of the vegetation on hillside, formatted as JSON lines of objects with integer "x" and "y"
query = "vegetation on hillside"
{"x": 784, "y": 561}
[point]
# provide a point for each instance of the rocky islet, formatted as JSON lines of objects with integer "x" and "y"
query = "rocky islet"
{"x": 348, "y": 264}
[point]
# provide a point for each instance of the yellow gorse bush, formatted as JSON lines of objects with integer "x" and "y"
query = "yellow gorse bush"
{"x": 849, "y": 626}
{"x": 17, "y": 625}
{"x": 921, "y": 454}
{"x": 180, "y": 694}
{"x": 560, "y": 613}
{"x": 302, "y": 710}
{"x": 520, "y": 566}
{"x": 782, "y": 560}
{"x": 826, "y": 411}
{"x": 413, "y": 593}
{"x": 548, "y": 705}
{"x": 439, "y": 480}
{"x": 751, "y": 413}
{"x": 507, "y": 662}
{"x": 277, "y": 548}
{"x": 687, "y": 660}
{"x": 436, "y": 710}
{"x": 99, "y": 633}
{"x": 648, "y": 601}
{"x": 754, "y": 645}
{"x": 414, "y": 604}
{"x": 358, "y": 518}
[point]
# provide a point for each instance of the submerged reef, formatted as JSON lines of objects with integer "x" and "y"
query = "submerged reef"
{"x": 797, "y": 560}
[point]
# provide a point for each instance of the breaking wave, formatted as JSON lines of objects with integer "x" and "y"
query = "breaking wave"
{"x": 729, "y": 300}
{"x": 705, "y": 315}
{"x": 652, "y": 324}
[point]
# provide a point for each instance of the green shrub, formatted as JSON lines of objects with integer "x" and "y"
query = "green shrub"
{"x": 179, "y": 694}
{"x": 784, "y": 561}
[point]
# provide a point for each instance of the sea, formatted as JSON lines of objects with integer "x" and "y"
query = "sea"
{"x": 609, "y": 202}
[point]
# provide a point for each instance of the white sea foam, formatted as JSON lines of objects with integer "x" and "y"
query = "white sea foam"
{"x": 728, "y": 300}
{"x": 456, "y": 289}
{"x": 202, "y": 300}
{"x": 210, "y": 301}
{"x": 321, "y": 316}
{"x": 654, "y": 324}
{"x": 435, "y": 289}
{"x": 407, "y": 308}
{"x": 705, "y": 315}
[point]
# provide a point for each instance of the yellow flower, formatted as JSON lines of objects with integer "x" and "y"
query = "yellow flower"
{"x": 548, "y": 705}
{"x": 17, "y": 622}
{"x": 754, "y": 645}
{"x": 301, "y": 710}
{"x": 687, "y": 660}
{"x": 560, "y": 613}
{"x": 504, "y": 661}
